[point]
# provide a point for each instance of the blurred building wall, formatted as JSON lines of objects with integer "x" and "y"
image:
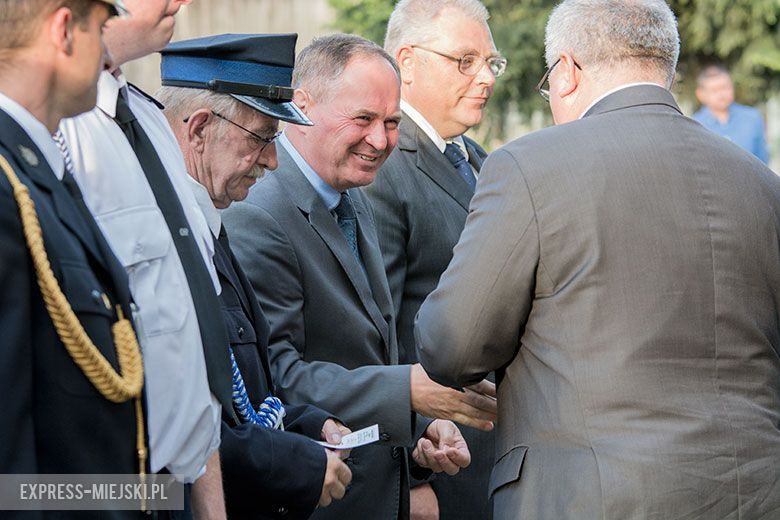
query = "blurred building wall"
{"x": 308, "y": 18}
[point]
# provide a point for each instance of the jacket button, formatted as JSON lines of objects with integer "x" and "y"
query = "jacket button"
{"x": 241, "y": 335}
{"x": 282, "y": 511}
{"x": 396, "y": 452}
{"x": 384, "y": 437}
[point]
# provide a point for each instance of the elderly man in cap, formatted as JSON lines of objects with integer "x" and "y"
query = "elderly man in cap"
{"x": 64, "y": 293}
{"x": 134, "y": 181}
{"x": 622, "y": 270}
{"x": 306, "y": 239}
{"x": 224, "y": 97}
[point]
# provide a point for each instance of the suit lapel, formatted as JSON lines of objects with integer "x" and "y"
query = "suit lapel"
{"x": 228, "y": 267}
{"x": 432, "y": 163}
{"x": 324, "y": 224}
{"x": 476, "y": 155}
{"x": 223, "y": 265}
{"x": 374, "y": 269}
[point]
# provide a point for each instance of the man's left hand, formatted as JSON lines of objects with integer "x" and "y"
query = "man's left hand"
{"x": 442, "y": 448}
{"x": 332, "y": 432}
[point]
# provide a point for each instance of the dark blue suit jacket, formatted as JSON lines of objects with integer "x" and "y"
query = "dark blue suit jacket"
{"x": 267, "y": 473}
{"x": 53, "y": 419}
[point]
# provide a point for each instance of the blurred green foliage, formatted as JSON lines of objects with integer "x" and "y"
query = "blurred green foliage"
{"x": 741, "y": 34}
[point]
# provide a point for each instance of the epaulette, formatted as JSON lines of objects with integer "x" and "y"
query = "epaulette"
{"x": 147, "y": 96}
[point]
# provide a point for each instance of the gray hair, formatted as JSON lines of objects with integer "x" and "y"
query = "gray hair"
{"x": 319, "y": 66}
{"x": 411, "y": 20}
{"x": 180, "y": 102}
{"x": 610, "y": 32}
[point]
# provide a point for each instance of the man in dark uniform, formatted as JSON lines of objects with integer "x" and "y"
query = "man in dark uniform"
{"x": 70, "y": 367}
{"x": 226, "y": 95}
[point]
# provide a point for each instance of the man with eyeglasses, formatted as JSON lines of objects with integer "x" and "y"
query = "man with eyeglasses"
{"x": 224, "y": 97}
{"x": 449, "y": 65}
{"x": 622, "y": 270}
{"x": 130, "y": 171}
{"x": 306, "y": 239}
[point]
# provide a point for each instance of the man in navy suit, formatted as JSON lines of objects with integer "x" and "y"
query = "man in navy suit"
{"x": 57, "y": 416}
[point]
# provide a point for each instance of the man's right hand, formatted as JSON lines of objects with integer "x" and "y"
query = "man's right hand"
{"x": 475, "y": 407}
{"x": 337, "y": 476}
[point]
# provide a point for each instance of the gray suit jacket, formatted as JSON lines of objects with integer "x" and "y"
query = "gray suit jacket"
{"x": 420, "y": 205}
{"x": 332, "y": 340}
{"x": 622, "y": 274}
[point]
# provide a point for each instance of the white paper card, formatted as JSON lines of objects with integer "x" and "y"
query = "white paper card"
{"x": 355, "y": 439}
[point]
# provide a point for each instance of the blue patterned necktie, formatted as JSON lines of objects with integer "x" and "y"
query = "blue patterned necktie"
{"x": 348, "y": 223}
{"x": 455, "y": 155}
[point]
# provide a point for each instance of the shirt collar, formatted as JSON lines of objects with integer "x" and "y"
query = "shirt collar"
{"x": 37, "y": 132}
{"x": 327, "y": 193}
{"x": 212, "y": 213}
{"x": 428, "y": 130}
{"x": 108, "y": 92}
{"x": 621, "y": 87}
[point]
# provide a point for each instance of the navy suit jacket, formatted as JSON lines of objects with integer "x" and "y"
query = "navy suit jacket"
{"x": 53, "y": 418}
{"x": 267, "y": 473}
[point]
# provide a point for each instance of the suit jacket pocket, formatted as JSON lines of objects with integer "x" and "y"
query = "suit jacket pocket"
{"x": 507, "y": 468}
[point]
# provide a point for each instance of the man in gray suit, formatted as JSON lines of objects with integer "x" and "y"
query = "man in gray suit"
{"x": 621, "y": 272}
{"x": 421, "y": 195}
{"x": 307, "y": 242}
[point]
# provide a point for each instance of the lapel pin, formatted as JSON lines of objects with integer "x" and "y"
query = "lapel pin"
{"x": 29, "y": 156}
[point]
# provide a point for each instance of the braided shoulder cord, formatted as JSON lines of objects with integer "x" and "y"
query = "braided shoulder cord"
{"x": 268, "y": 415}
{"x": 111, "y": 385}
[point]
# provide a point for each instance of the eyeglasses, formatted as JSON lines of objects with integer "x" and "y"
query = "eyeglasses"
{"x": 262, "y": 142}
{"x": 545, "y": 93}
{"x": 470, "y": 64}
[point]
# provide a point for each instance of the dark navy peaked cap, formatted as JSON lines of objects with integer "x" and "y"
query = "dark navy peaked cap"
{"x": 255, "y": 69}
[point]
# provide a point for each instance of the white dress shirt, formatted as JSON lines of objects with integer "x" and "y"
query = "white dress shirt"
{"x": 183, "y": 416}
{"x": 37, "y": 132}
{"x": 431, "y": 132}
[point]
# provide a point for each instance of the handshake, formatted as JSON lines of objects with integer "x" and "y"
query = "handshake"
{"x": 441, "y": 448}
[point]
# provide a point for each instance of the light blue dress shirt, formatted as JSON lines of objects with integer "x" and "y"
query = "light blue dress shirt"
{"x": 745, "y": 127}
{"x": 330, "y": 196}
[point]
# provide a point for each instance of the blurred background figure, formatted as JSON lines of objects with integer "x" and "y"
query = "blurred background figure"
{"x": 741, "y": 124}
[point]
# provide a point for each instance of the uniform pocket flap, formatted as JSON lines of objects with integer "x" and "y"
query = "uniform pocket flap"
{"x": 135, "y": 235}
{"x": 83, "y": 292}
{"x": 507, "y": 469}
{"x": 240, "y": 330}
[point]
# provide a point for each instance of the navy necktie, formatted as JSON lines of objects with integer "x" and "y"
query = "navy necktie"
{"x": 204, "y": 297}
{"x": 455, "y": 155}
{"x": 348, "y": 223}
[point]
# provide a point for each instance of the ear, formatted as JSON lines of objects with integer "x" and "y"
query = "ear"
{"x": 197, "y": 127}
{"x": 570, "y": 76}
{"x": 302, "y": 99}
{"x": 61, "y": 27}
{"x": 407, "y": 60}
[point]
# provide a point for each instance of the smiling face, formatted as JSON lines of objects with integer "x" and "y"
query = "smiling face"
{"x": 355, "y": 128}
{"x": 450, "y": 101}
